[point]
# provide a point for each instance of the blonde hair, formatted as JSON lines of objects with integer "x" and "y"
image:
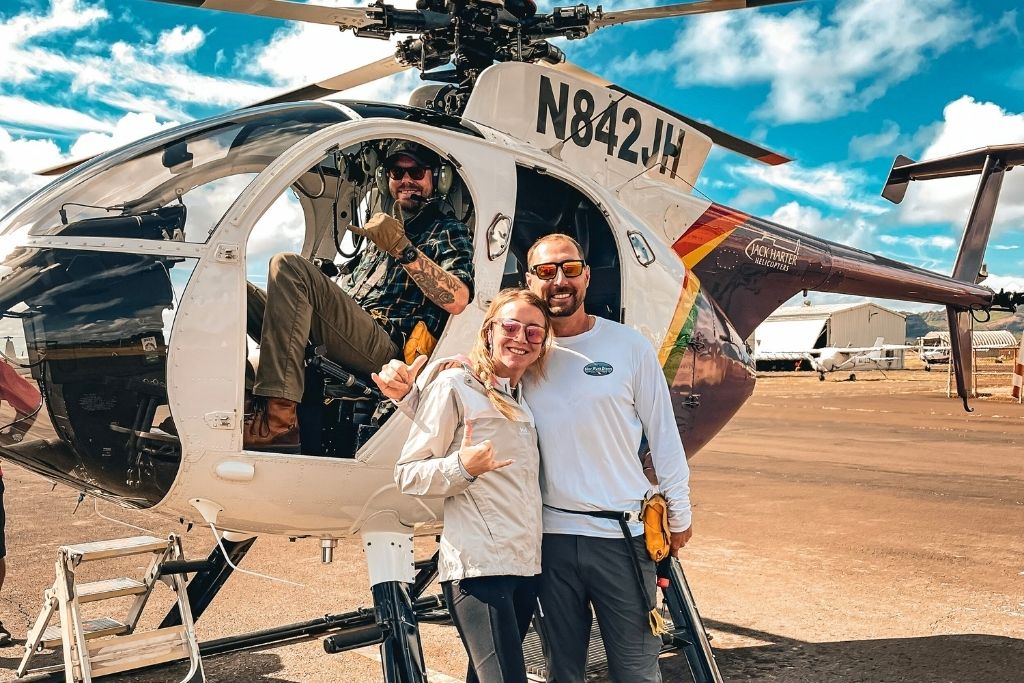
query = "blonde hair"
{"x": 480, "y": 356}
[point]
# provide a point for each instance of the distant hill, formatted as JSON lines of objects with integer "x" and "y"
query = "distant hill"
{"x": 920, "y": 324}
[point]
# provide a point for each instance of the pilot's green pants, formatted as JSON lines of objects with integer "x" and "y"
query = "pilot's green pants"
{"x": 302, "y": 304}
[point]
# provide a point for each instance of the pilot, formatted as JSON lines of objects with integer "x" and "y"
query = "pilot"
{"x": 602, "y": 391}
{"x": 416, "y": 271}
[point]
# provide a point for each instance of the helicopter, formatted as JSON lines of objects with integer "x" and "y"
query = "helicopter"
{"x": 128, "y": 275}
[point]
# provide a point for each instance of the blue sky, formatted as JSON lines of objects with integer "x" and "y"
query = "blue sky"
{"x": 842, "y": 86}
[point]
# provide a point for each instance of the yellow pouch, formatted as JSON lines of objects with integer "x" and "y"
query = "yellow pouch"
{"x": 654, "y": 514}
{"x": 419, "y": 343}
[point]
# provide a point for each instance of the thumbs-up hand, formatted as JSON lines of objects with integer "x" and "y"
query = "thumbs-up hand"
{"x": 386, "y": 232}
{"x": 478, "y": 458}
{"x": 395, "y": 379}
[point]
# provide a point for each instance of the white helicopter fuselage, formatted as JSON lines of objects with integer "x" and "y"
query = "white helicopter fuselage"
{"x": 639, "y": 181}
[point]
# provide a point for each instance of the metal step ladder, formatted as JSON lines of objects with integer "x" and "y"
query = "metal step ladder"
{"x": 88, "y": 652}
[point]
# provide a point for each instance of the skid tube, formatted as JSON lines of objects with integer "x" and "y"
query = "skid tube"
{"x": 359, "y": 624}
{"x": 355, "y": 629}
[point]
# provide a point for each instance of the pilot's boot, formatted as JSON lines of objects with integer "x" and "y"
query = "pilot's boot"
{"x": 272, "y": 426}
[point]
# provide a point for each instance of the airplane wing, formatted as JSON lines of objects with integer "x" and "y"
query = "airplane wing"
{"x": 783, "y": 355}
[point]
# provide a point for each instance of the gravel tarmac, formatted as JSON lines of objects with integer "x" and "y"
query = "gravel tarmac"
{"x": 845, "y": 532}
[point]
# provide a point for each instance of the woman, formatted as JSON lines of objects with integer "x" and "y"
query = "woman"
{"x": 473, "y": 442}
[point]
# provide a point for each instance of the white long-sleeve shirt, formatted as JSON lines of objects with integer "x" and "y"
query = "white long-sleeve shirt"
{"x": 602, "y": 391}
{"x": 590, "y": 422}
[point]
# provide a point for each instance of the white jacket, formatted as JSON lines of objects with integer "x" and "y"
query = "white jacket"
{"x": 492, "y": 524}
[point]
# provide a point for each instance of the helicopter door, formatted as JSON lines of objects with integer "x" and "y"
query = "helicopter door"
{"x": 546, "y": 204}
{"x": 322, "y": 183}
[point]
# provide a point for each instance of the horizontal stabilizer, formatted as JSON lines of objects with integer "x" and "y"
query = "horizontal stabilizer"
{"x": 905, "y": 169}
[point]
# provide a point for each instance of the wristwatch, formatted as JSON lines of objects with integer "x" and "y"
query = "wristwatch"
{"x": 408, "y": 255}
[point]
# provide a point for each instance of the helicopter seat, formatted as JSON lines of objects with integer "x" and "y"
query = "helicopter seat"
{"x": 340, "y": 410}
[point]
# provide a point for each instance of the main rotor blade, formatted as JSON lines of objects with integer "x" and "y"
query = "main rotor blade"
{"x": 382, "y": 68}
{"x": 717, "y": 135}
{"x": 343, "y": 17}
{"x": 678, "y": 10}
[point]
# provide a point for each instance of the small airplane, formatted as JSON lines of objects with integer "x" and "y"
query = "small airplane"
{"x": 128, "y": 276}
{"x": 936, "y": 350}
{"x": 878, "y": 356}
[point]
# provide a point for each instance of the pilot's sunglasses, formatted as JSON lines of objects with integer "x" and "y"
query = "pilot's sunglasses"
{"x": 547, "y": 271}
{"x": 511, "y": 329}
{"x": 414, "y": 172}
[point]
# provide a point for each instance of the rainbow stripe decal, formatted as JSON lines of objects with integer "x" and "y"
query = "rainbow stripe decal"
{"x": 707, "y": 232}
{"x": 699, "y": 240}
{"x": 680, "y": 329}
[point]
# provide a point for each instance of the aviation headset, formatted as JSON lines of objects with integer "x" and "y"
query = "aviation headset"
{"x": 442, "y": 173}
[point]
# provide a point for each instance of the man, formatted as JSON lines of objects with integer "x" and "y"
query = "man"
{"x": 603, "y": 390}
{"x": 418, "y": 268}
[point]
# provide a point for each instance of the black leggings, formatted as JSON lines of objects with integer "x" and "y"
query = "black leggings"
{"x": 492, "y": 614}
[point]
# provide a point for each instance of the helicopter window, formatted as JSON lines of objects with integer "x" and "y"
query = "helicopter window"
{"x": 173, "y": 187}
{"x": 345, "y": 187}
{"x": 94, "y": 330}
{"x": 546, "y": 205}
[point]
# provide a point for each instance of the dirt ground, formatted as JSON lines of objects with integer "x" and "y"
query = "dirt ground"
{"x": 845, "y": 532}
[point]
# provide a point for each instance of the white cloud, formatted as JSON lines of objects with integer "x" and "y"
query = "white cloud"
{"x": 827, "y": 184}
{"x": 179, "y": 41}
{"x": 47, "y": 117}
{"x": 968, "y": 124}
{"x": 934, "y": 241}
{"x": 19, "y": 64}
{"x": 129, "y": 128}
{"x": 816, "y": 68}
{"x": 752, "y": 197}
{"x": 874, "y": 145}
{"x": 285, "y": 59}
{"x": 1004, "y": 282}
{"x": 146, "y": 76}
{"x": 1005, "y": 247}
{"x": 854, "y": 231}
{"x": 18, "y": 157}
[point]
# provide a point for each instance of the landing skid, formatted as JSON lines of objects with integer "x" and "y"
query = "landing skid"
{"x": 391, "y": 623}
{"x": 400, "y": 607}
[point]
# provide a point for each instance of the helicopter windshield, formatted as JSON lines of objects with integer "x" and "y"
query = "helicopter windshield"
{"x": 193, "y": 172}
{"x": 83, "y": 375}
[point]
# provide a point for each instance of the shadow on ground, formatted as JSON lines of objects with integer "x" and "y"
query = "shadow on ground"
{"x": 251, "y": 667}
{"x": 967, "y": 658}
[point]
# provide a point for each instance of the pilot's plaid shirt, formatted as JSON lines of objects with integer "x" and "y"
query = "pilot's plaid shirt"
{"x": 382, "y": 287}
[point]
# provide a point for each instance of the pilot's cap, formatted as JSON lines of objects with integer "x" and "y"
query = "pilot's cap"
{"x": 415, "y": 151}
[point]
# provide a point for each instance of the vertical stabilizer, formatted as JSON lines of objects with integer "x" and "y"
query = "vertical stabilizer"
{"x": 991, "y": 163}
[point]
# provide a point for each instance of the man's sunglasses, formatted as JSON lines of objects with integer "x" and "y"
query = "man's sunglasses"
{"x": 547, "y": 271}
{"x": 511, "y": 328}
{"x": 414, "y": 172}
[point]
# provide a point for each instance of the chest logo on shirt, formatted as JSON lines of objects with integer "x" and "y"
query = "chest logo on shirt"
{"x": 598, "y": 369}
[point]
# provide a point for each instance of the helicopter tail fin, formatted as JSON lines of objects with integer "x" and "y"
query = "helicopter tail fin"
{"x": 991, "y": 163}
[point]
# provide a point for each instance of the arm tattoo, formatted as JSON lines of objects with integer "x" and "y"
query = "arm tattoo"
{"x": 438, "y": 284}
